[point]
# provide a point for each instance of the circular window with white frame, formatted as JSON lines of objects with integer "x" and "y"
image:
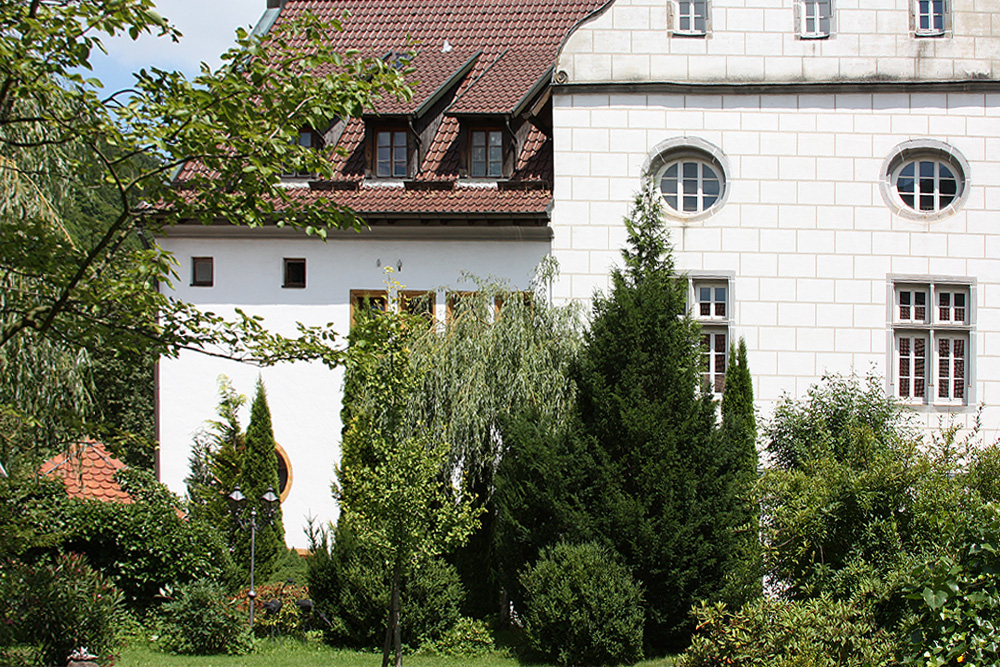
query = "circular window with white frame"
{"x": 691, "y": 176}
{"x": 924, "y": 179}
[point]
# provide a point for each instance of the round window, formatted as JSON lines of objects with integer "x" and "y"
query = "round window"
{"x": 926, "y": 184}
{"x": 690, "y": 185}
{"x": 924, "y": 179}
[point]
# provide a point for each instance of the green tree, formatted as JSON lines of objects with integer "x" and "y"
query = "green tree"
{"x": 738, "y": 451}
{"x": 395, "y": 489}
{"x": 258, "y": 474}
{"x": 641, "y": 398}
{"x": 61, "y": 135}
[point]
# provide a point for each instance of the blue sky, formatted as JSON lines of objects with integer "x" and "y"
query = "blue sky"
{"x": 208, "y": 27}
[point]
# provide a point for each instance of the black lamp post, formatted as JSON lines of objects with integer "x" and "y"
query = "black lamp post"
{"x": 237, "y": 505}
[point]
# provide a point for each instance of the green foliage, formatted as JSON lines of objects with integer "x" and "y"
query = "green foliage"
{"x": 955, "y": 600}
{"x": 145, "y": 546}
{"x": 547, "y": 485}
{"x": 670, "y": 511}
{"x": 32, "y": 515}
{"x": 395, "y": 491}
{"x": 258, "y": 474}
{"x": 582, "y": 607}
{"x": 858, "y": 499}
{"x": 203, "y": 620}
{"x": 287, "y": 621}
{"x": 50, "y": 608}
{"x": 352, "y": 589}
{"x": 819, "y": 632}
{"x": 738, "y": 447}
{"x": 467, "y": 638}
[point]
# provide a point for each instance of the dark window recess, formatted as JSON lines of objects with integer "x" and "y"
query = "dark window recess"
{"x": 390, "y": 154}
{"x": 202, "y": 271}
{"x": 310, "y": 139}
{"x": 295, "y": 273}
{"x": 486, "y": 156}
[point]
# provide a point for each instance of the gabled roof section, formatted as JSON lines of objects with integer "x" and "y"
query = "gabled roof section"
{"x": 514, "y": 75}
{"x": 88, "y": 471}
{"x": 436, "y": 73}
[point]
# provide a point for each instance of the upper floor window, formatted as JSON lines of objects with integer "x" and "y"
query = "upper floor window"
{"x": 815, "y": 19}
{"x": 485, "y": 153}
{"x": 202, "y": 271}
{"x": 690, "y": 185}
{"x": 710, "y": 298}
{"x": 391, "y": 153}
{"x": 307, "y": 138}
{"x": 294, "y": 272}
{"x": 932, "y": 342}
{"x": 691, "y": 17}
{"x": 930, "y": 17}
{"x": 924, "y": 179}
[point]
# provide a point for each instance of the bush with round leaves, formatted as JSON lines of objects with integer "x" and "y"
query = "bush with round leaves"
{"x": 203, "y": 620}
{"x": 583, "y": 607}
{"x": 51, "y": 608}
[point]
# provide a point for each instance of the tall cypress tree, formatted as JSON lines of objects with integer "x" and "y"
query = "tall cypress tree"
{"x": 260, "y": 472}
{"x": 642, "y": 400}
{"x": 738, "y": 455}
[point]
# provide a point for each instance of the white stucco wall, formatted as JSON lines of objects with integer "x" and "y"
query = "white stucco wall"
{"x": 805, "y": 231}
{"x": 304, "y": 398}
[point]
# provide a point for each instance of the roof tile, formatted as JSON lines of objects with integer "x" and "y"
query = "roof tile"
{"x": 88, "y": 471}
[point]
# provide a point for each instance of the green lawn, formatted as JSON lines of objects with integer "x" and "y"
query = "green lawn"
{"x": 299, "y": 654}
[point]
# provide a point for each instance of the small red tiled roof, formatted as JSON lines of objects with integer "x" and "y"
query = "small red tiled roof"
{"x": 88, "y": 471}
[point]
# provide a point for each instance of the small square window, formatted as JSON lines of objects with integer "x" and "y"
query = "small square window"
{"x": 295, "y": 272}
{"x": 691, "y": 18}
{"x": 930, "y": 17}
{"x": 815, "y": 18}
{"x": 202, "y": 271}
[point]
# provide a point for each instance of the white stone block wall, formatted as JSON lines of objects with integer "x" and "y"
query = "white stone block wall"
{"x": 752, "y": 41}
{"x": 304, "y": 398}
{"x": 805, "y": 229}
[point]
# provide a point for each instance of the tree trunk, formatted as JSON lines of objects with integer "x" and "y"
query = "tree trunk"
{"x": 397, "y": 630}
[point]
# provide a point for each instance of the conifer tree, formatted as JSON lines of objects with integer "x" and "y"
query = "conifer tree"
{"x": 259, "y": 473}
{"x": 738, "y": 455}
{"x": 642, "y": 401}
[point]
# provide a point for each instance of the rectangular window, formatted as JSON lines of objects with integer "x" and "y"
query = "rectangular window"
{"x": 486, "y": 154}
{"x": 368, "y": 301}
{"x": 202, "y": 271}
{"x": 307, "y": 138}
{"x": 692, "y": 17}
{"x": 930, "y": 17}
{"x": 391, "y": 154}
{"x": 294, "y": 272}
{"x": 710, "y": 307}
{"x": 816, "y": 19}
{"x": 417, "y": 303}
{"x": 932, "y": 337}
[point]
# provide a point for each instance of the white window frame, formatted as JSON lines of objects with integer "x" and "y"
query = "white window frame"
{"x": 690, "y": 11}
{"x": 698, "y": 181}
{"x": 716, "y": 323}
{"x": 917, "y": 14}
{"x": 948, "y": 318}
{"x": 803, "y": 12}
{"x": 915, "y": 151}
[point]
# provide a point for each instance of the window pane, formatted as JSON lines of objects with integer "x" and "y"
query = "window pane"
{"x": 495, "y": 139}
{"x": 478, "y": 138}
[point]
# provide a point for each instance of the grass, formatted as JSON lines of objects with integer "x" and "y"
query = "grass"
{"x": 285, "y": 653}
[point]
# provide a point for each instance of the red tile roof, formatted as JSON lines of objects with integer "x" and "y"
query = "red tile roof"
{"x": 511, "y": 45}
{"x": 88, "y": 471}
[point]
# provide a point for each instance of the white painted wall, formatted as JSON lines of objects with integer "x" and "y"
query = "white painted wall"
{"x": 304, "y": 398}
{"x": 805, "y": 230}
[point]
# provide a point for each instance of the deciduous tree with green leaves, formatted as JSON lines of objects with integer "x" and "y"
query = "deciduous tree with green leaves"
{"x": 395, "y": 488}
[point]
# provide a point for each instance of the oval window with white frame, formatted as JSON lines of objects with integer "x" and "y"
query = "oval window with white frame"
{"x": 690, "y": 175}
{"x": 925, "y": 180}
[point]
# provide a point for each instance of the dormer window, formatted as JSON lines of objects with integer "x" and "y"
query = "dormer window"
{"x": 307, "y": 138}
{"x": 486, "y": 153}
{"x": 391, "y": 153}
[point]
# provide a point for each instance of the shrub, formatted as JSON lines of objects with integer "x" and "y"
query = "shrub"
{"x": 147, "y": 545}
{"x": 51, "y": 608}
{"x": 203, "y": 620}
{"x": 468, "y": 638}
{"x": 583, "y": 607}
{"x": 287, "y": 620}
{"x": 349, "y": 586}
{"x": 819, "y": 632}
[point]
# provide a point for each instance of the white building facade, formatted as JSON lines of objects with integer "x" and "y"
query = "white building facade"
{"x": 830, "y": 176}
